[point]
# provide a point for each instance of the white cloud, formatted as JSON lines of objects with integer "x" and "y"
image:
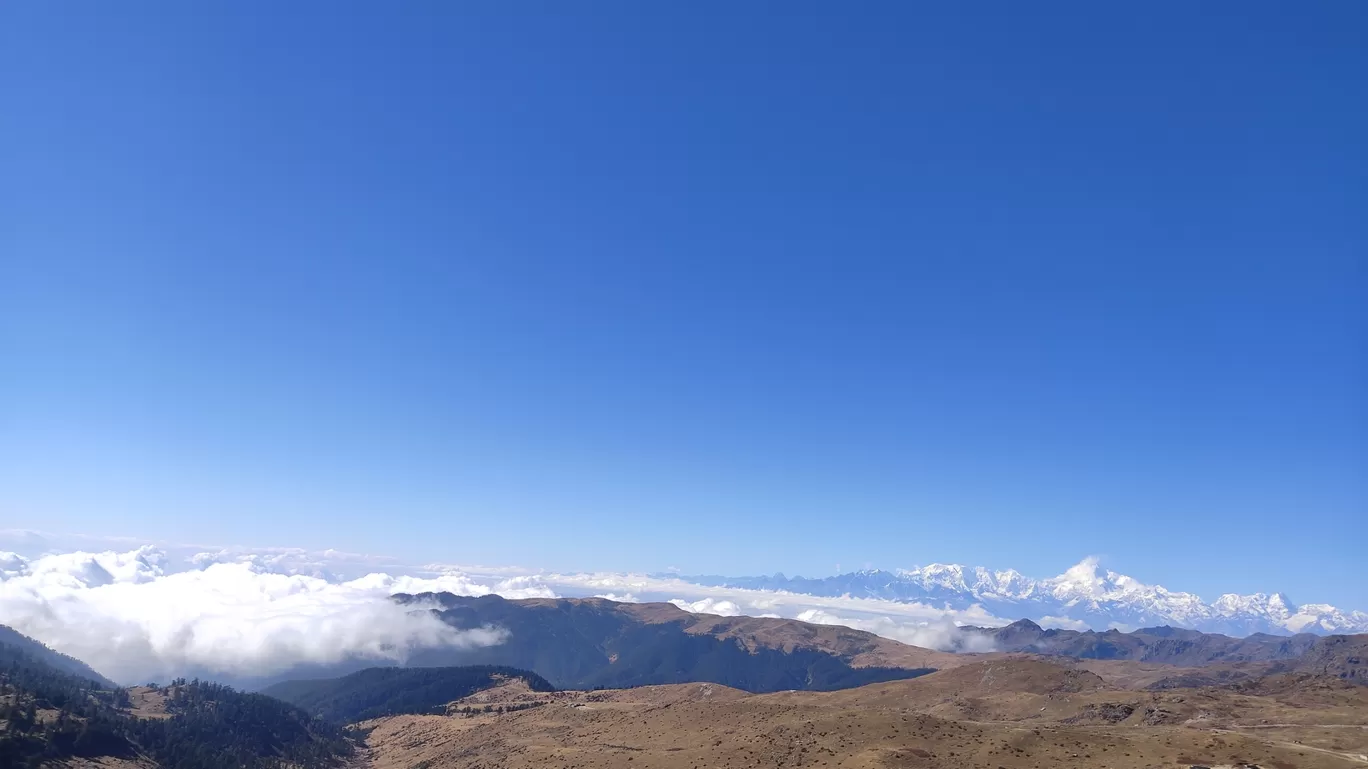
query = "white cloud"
{"x": 708, "y": 606}
{"x": 11, "y": 564}
{"x": 1063, "y": 623}
{"x": 326, "y": 564}
{"x": 913, "y": 623}
{"x": 132, "y": 619}
{"x": 154, "y": 612}
{"x": 624, "y": 598}
{"x": 939, "y": 634}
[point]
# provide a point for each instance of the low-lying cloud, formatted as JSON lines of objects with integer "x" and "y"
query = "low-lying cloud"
{"x": 938, "y": 634}
{"x": 910, "y": 622}
{"x": 708, "y": 606}
{"x": 153, "y": 613}
{"x": 1062, "y": 623}
{"x": 131, "y": 618}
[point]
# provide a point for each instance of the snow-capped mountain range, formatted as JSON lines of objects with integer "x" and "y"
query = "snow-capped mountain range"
{"x": 1084, "y": 595}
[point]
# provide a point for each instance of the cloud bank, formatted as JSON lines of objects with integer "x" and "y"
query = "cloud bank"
{"x": 918, "y": 624}
{"x": 133, "y": 619}
{"x": 152, "y": 613}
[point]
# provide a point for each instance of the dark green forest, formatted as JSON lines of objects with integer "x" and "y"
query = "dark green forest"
{"x": 49, "y": 714}
{"x": 11, "y": 637}
{"x": 377, "y": 692}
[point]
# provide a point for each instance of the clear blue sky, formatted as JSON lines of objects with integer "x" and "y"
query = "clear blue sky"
{"x": 732, "y": 287}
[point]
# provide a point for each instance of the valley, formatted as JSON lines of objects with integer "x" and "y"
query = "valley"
{"x": 589, "y": 683}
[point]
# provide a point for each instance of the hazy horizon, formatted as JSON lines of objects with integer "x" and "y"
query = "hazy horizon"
{"x": 253, "y": 614}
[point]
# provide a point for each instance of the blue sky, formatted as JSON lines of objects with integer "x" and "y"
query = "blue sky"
{"x": 733, "y": 287}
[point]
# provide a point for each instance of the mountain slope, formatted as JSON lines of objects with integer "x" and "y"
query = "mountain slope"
{"x": 1007, "y": 713}
{"x": 1170, "y": 657}
{"x": 1343, "y": 656}
{"x": 11, "y": 637}
{"x": 50, "y": 715}
{"x": 379, "y": 692}
{"x": 583, "y": 643}
{"x": 1168, "y": 645}
{"x": 1084, "y": 592}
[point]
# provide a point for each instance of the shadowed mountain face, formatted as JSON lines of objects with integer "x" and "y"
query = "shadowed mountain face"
{"x": 586, "y": 643}
{"x": 1173, "y": 646}
{"x": 1344, "y": 657}
{"x": 50, "y": 717}
{"x": 377, "y": 692}
{"x": 56, "y": 660}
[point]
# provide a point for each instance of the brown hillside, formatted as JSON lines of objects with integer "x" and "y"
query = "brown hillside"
{"x": 899, "y": 724}
{"x": 1024, "y": 675}
{"x": 1341, "y": 656}
{"x": 862, "y": 649}
{"x": 591, "y": 643}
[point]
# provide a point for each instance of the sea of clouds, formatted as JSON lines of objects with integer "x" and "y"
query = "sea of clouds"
{"x": 145, "y": 613}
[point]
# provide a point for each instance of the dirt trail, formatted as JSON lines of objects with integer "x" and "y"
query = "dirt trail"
{"x": 1300, "y": 726}
{"x": 1358, "y": 758}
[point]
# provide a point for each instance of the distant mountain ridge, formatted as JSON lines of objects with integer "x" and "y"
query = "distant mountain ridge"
{"x": 1084, "y": 593}
{"x": 1207, "y": 657}
{"x": 580, "y": 643}
{"x": 1168, "y": 645}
